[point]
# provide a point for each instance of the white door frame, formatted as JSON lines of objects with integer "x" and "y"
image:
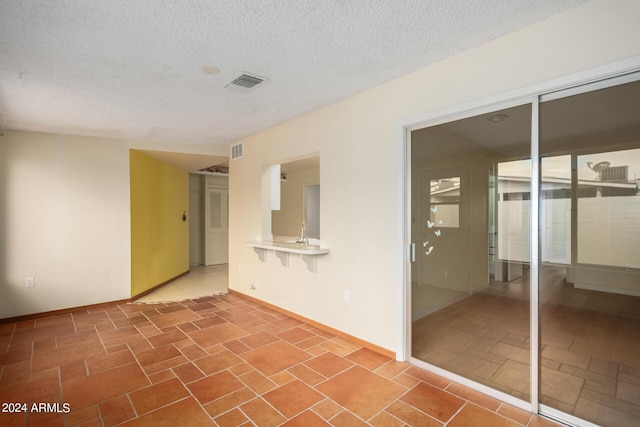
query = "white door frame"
{"x": 222, "y": 257}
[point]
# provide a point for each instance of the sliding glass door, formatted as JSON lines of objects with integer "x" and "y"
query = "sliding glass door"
{"x": 470, "y": 222}
{"x": 590, "y": 276}
{"x": 558, "y": 332}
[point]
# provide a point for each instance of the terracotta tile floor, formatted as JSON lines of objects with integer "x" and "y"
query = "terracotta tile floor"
{"x": 219, "y": 360}
{"x": 589, "y": 341}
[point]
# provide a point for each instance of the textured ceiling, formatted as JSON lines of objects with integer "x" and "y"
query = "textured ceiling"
{"x": 133, "y": 69}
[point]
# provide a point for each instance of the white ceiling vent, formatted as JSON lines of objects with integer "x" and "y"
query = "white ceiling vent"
{"x": 245, "y": 82}
{"x": 237, "y": 151}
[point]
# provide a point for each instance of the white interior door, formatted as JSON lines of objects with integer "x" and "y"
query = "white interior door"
{"x": 195, "y": 228}
{"x": 217, "y": 226}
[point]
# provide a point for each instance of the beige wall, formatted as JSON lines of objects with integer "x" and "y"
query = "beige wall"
{"x": 65, "y": 219}
{"x": 65, "y": 222}
{"x": 361, "y": 175}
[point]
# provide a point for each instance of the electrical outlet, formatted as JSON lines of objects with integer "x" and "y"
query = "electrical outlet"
{"x": 30, "y": 282}
{"x": 347, "y": 297}
{"x": 252, "y": 287}
{"x": 446, "y": 274}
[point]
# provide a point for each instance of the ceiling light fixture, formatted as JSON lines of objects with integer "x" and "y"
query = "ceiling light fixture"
{"x": 497, "y": 118}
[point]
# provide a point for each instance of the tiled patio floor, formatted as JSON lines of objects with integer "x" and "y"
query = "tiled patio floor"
{"x": 590, "y": 352}
{"x": 220, "y": 360}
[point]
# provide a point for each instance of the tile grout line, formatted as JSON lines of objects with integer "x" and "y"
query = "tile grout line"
{"x": 64, "y": 417}
{"x": 135, "y": 358}
{"x": 454, "y": 415}
{"x": 336, "y": 374}
{"x": 192, "y": 362}
{"x": 260, "y": 396}
{"x": 384, "y": 409}
{"x": 33, "y": 345}
{"x": 202, "y": 406}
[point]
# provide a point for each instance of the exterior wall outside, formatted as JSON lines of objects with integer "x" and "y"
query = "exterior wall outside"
{"x": 605, "y": 239}
{"x": 361, "y": 174}
{"x": 514, "y": 245}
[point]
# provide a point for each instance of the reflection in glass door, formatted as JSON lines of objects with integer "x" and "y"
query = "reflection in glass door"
{"x": 471, "y": 193}
{"x": 590, "y": 275}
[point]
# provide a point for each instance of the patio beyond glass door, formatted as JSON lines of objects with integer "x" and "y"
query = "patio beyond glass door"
{"x": 470, "y": 281}
{"x": 590, "y": 274}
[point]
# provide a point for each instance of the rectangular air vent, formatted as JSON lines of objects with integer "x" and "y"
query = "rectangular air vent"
{"x": 237, "y": 151}
{"x": 245, "y": 82}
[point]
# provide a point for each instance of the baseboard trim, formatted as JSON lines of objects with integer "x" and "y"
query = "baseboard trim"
{"x": 166, "y": 282}
{"x": 85, "y": 307}
{"x": 373, "y": 347}
{"x": 63, "y": 311}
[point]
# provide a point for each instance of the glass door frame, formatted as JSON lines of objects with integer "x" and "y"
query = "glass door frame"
{"x": 463, "y": 114}
{"x": 597, "y": 78}
{"x": 604, "y": 83}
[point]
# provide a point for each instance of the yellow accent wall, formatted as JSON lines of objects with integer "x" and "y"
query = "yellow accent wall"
{"x": 159, "y": 236}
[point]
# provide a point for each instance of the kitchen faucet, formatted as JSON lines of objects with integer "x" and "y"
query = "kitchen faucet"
{"x": 302, "y": 238}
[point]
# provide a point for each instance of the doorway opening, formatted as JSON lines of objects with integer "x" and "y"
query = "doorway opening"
{"x": 209, "y": 222}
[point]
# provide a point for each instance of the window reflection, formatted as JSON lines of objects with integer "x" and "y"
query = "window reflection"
{"x": 445, "y": 202}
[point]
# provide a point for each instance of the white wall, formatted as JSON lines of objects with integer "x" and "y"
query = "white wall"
{"x": 361, "y": 173}
{"x": 65, "y": 221}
